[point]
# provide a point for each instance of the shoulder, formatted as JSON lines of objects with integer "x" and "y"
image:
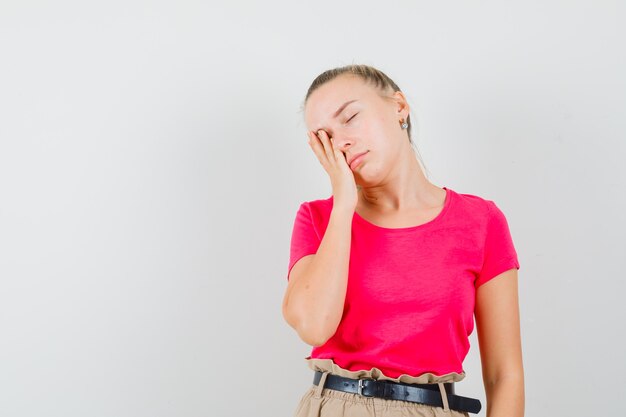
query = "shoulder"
{"x": 320, "y": 205}
{"x": 319, "y": 209}
{"x": 473, "y": 206}
{"x": 484, "y": 215}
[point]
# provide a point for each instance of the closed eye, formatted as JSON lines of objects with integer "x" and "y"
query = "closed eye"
{"x": 352, "y": 117}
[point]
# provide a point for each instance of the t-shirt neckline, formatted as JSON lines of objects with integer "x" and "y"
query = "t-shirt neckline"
{"x": 437, "y": 218}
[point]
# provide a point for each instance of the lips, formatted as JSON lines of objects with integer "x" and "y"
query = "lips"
{"x": 355, "y": 157}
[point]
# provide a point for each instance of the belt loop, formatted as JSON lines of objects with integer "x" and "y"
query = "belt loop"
{"x": 315, "y": 403}
{"x": 444, "y": 396}
{"x": 320, "y": 385}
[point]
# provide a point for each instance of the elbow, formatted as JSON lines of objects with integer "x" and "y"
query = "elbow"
{"x": 313, "y": 336}
{"x": 311, "y": 333}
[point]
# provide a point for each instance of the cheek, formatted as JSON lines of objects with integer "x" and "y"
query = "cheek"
{"x": 380, "y": 139}
{"x": 382, "y": 128}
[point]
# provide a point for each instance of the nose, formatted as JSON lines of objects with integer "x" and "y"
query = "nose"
{"x": 342, "y": 142}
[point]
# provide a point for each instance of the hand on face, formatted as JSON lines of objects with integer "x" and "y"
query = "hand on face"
{"x": 334, "y": 162}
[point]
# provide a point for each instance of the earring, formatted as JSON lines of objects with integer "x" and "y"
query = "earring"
{"x": 404, "y": 124}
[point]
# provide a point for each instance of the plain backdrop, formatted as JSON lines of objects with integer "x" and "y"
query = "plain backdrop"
{"x": 153, "y": 156}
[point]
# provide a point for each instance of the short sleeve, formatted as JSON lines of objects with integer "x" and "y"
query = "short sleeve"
{"x": 499, "y": 251}
{"x": 304, "y": 237}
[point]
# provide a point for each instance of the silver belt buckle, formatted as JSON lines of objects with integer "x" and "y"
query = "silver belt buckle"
{"x": 360, "y": 388}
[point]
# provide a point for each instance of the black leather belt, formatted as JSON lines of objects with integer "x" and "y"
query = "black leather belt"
{"x": 416, "y": 393}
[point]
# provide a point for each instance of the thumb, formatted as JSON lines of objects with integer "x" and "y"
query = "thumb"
{"x": 338, "y": 153}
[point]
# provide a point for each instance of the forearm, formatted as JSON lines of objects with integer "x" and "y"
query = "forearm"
{"x": 505, "y": 397}
{"x": 320, "y": 294}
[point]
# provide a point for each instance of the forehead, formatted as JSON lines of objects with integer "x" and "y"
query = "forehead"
{"x": 325, "y": 101}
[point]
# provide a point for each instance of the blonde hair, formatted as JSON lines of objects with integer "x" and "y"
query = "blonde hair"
{"x": 370, "y": 75}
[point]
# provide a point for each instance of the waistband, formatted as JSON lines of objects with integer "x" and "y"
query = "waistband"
{"x": 434, "y": 394}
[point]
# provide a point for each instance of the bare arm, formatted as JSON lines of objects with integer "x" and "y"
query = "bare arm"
{"x": 316, "y": 292}
{"x": 498, "y": 331}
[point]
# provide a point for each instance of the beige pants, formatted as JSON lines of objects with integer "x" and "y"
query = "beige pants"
{"x": 318, "y": 401}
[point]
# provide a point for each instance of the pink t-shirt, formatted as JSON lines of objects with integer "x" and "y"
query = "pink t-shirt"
{"x": 411, "y": 291}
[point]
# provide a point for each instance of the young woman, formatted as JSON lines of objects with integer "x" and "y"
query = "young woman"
{"x": 386, "y": 275}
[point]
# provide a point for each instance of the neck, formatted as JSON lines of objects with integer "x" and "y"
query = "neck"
{"x": 406, "y": 187}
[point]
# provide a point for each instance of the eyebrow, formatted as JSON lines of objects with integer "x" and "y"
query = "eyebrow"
{"x": 343, "y": 106}
{"x": 340, "y": 109}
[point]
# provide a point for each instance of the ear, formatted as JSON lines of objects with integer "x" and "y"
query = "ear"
{"x": 402, "y": 105}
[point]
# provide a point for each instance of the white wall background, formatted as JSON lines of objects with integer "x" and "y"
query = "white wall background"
{"x": 153, "y": 156}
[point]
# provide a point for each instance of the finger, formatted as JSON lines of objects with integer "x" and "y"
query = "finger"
{"x": 339, "y": 156}
{"x": 313, "y": 141}
{"x": 328, "y": 148}
{"x": 315, "y": 145}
